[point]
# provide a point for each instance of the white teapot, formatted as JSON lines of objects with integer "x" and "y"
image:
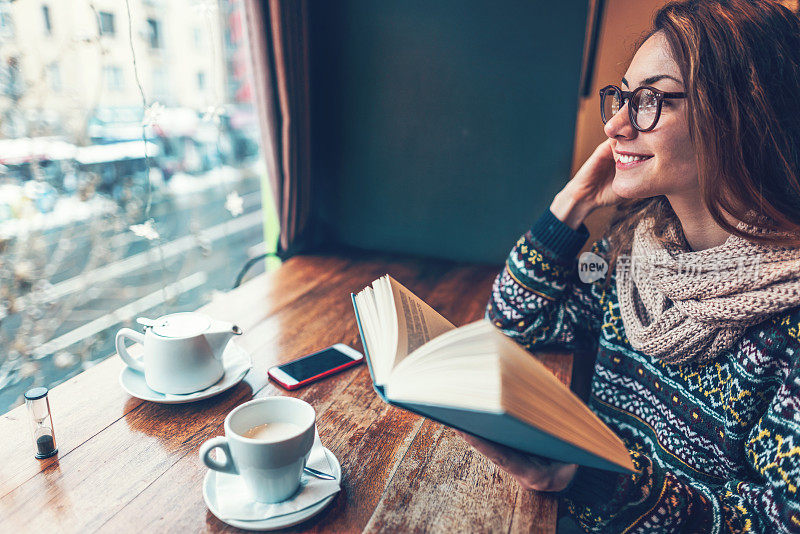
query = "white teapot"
{"x": 182, "y": 351}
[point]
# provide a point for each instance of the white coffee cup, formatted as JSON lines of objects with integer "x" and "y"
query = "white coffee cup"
{"x": 182, "y": 351}
{"x": 271, "y": 469}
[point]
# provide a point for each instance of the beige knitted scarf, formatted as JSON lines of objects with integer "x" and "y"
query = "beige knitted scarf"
{"x": 679, "y": 305}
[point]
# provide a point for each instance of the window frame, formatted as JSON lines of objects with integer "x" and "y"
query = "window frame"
{"x": 106, "y": 23}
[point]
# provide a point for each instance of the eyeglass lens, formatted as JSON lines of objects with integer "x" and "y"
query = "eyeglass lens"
{"x": 644, "y": 106}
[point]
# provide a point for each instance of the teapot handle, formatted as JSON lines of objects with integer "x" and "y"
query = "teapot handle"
{"x": 133, "y": 363}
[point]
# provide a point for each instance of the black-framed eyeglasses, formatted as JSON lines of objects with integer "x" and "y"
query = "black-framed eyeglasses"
{"x": 644, "y": 104}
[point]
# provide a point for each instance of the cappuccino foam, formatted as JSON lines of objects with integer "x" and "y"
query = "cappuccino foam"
{"x": 273, "y": 431}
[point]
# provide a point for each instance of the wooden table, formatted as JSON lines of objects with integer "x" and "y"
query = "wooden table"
{"x": 126, "y": 465}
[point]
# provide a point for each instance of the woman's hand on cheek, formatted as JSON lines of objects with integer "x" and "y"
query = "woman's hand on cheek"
{"x": 532, "y": 472}
{"x": 589, "y": 189}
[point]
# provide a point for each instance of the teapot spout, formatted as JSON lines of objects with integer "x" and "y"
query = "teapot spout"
{"x": 219, "y": 334}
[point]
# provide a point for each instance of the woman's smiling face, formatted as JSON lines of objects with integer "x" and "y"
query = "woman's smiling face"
{"x": 671, "y": 167}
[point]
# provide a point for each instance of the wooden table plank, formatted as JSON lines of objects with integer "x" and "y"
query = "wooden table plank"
{"x": 443, "y": 485}
{"x": 126, "y": 465}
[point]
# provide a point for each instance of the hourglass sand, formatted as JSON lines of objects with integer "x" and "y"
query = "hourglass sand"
{"x": 41, "y": 422}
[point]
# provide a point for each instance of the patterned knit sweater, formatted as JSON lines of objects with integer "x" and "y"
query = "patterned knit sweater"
{"x": 717, "y": 445}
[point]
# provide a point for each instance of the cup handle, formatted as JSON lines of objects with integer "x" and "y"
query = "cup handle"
{"x": 132, "y": 362}
{"x": 211, "y": 463}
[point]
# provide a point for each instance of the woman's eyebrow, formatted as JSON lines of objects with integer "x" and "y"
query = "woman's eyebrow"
{"x": 654, "y": 79}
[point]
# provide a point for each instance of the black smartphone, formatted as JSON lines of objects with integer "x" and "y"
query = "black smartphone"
{"x": 308, "y": 369}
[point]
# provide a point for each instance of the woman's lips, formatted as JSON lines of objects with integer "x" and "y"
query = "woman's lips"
{"x": 622, "y": 166}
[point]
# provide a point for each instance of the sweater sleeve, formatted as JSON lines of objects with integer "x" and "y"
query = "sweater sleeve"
{"x": 656, "y": 500}
{"x": 537, "y": 299}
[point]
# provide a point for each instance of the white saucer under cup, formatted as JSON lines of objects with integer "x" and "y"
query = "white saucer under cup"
{"x": 211, "y": 499}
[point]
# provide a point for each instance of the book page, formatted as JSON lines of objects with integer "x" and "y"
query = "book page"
{"x": 417, "y": 322}
{"x": 365, "y": 303}
{"x": 477, "y": 367}
{"x": 458, "y": 369}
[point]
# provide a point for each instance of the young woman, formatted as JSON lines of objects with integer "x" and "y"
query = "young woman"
{"x": 697, "y": 324}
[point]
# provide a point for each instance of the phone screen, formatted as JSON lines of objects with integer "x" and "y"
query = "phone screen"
{"x": 315, "y": 364}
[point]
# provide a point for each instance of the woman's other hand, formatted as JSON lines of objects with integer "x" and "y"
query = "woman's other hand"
{"x": 532, "y": 472}
{"x": 589, "y": 189}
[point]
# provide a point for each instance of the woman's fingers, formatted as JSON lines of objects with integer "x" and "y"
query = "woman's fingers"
{"x": 531, "y": 471}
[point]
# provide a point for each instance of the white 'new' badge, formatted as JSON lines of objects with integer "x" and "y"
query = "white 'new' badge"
{"x": 591, "y": 267}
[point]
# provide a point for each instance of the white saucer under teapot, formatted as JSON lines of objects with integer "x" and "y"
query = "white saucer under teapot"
{"x": 182, "y": 351}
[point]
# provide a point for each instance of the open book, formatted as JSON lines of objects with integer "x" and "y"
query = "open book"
{"x": 476, "y": 379}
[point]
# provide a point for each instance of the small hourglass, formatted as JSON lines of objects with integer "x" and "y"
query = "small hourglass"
{"x": 41, "y": 422}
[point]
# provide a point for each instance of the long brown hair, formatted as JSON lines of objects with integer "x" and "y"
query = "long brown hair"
{"x": 740, "y": 62}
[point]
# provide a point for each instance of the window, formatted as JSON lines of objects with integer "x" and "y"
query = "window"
{"x": 48, "y": 26}
{"x": 197, "y": 37}
{"x": 53, "y": 74}
{"x": 201, "y": 81}
{"x": 81, "y": 254}
{"x": 153, "y": 33}
{"x": 107, "y": 24}
{"x": 112, "y": 76}
{"x": 161, "y": 85}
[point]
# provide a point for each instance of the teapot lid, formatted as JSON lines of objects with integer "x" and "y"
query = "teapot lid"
{"x": 180, "y": 325}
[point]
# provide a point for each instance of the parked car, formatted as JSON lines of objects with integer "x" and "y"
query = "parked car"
{"x": 43, "y": 158}
{"x": 118, "y": 165}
